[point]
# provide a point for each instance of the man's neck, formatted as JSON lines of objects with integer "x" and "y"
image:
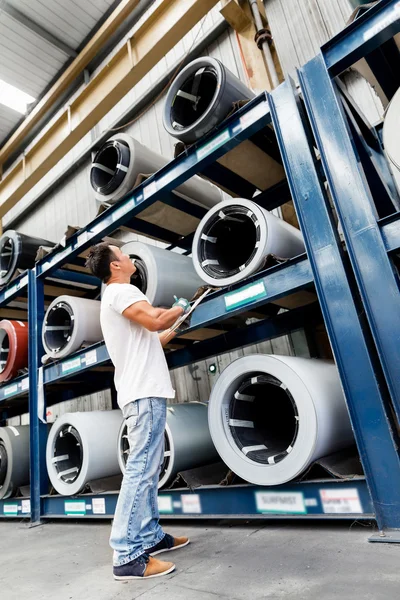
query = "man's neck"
{"x": 119, "y": 279}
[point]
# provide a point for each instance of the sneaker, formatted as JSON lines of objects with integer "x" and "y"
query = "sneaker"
{"x": 143, "y": 567}
{"x": 167, "y": 544}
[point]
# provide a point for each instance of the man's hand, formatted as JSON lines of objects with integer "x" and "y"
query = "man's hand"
{"x": 182, "y": 302}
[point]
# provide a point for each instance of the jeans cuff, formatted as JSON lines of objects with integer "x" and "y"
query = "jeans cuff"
{"x": 129, "y": 559}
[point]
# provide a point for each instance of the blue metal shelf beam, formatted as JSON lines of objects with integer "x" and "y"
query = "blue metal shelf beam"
{"x": 364, "y": 35}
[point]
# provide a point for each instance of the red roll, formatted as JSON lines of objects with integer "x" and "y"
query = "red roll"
{"x": 13, "y": 348}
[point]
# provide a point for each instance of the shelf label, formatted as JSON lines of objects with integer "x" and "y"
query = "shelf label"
{"x": 191, "y": 503}
{"x": 11, "y": 389}
{"x": 25, "y": 384}
{"x": 165, "y": 504}
{"x": 11, "y": 291}
{"x": 99, "y": 506}
{"x": 10, "y": 509}
{"x": 247, "y": 295}
{"x": 149, "y": 189}
{"x": 311, "y": 502}
{"x": 120, "y": 212}
{"x": 254, "y": 114}
{"x": 71, "y": 365}
{"x": 25, "y": 507}
{"x": 340, "y": 501}
{"x": 280, "y": 502}
{"x": 213, "y": 145}
{"x": 383, "y": 23}
{"x": 91, "y": 357}
{"x": 75, "y": 507}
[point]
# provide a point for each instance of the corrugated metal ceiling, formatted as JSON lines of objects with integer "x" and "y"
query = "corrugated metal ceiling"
{"x": 37, "y": 38}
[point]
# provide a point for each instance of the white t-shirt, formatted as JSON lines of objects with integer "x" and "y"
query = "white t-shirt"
{"x": 141, "y": 370}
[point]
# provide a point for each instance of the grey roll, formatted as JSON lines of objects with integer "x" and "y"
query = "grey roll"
{"x": 200, "y": 97}
{"x": 234, "y": 238}
{"x": 271, "y": 417}
{"x": 119, "y": 162}
{"x": 14, "y": 459}
{"x": 18, "y": 251}
{"x": 81, "y": 448}
{"x": 70, "y": 323}
{"x": 187, "y": 441}
{"x": 161, "y": 274}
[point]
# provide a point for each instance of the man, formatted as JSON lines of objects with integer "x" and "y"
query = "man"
{"x": 130, "y": 325}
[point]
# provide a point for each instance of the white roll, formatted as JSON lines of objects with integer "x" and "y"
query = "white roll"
{"x": 81, "y": 448}
{"x": 187, "y": 442}
{"x": 161, "y": 274}
{"x": 122, "y": 159}
{"x": 14, "y": 459}
{"x": 271, "y": 417}
{"x": 390, "y": 130}
{"x": 70, "y": 323}
{"x": 234, "y": 238}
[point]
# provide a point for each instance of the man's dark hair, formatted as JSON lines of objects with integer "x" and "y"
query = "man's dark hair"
{"x": 99, "y": 259}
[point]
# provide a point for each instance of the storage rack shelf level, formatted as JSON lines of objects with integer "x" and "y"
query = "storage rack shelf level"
{"x": 325, "y": 265}
{"x": 14, "y": 393}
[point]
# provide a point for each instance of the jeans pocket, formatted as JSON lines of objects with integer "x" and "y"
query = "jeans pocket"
{"x": 131, "y": 414}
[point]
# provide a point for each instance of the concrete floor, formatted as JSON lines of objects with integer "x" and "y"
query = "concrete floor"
{"x": 236, "y": 561}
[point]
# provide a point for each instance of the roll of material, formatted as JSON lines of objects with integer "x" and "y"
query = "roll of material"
{"x": 161, "y": 274}
{"x": 390, "y": 130}
{"x": 14, "y": 460}
{"x": 13, "y": 348}
{"x": 81, "y": 448}
{"x": 234, "y": 238}
{"x": 200, "y": 97}
{"x": 187, "y": 442}
{"x": 119, "y": 162}
{"x": 18, "y": 251}
{"x": 271, "y": 417}
{"x": 70, "y": 323}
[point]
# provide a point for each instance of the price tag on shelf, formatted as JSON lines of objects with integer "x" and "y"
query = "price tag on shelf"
{"x": 191, "y": 503}
{"x": 280, "y": 502}
{"x": 75, "y": 507}
{"x": 71, "y": 365}
{"x": 91, "y": 357}
{"x": 244, "y": 296}
{"x": 213, "y": 145}
{"x": 165, "y": 504}
{"x": 99, "y": 506}
{"x": 335, "y": 501}
{"x": 11, "y": 389}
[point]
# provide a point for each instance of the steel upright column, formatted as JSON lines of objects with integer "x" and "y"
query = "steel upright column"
{"x": 371, "y": 427}
{"x": 37, "y": 425}
{"x": 354, "y": 205}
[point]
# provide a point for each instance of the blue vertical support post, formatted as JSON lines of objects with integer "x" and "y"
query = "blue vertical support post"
{"x": 354, "y": 205}
{"x": 38, "y": 427}
{"x": 371, "y": 427}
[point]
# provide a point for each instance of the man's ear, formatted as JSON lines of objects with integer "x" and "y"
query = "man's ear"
{"x": 115, "y": 264}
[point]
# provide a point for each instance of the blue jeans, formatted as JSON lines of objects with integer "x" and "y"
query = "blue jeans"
{"x": 136, "y": 528}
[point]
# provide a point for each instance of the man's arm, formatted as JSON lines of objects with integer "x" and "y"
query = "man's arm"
{"x": 166, "y": 336}
{"x": 153, "y": 319}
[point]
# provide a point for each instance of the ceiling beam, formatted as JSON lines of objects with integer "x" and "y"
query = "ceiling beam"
{"x": 24, "y": 20}
{"x": 158, "y": 34}
{"x": 117, "y": 17}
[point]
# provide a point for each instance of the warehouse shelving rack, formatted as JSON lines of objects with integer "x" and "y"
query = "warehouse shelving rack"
{"x": 344, "y": 283}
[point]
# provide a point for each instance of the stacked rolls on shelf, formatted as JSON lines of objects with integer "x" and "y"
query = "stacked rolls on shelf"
{"x": 14, "y": 459}
{"x": 18, "y": 253}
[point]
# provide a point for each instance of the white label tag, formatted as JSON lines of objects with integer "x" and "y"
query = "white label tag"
{"x": 165, "y": 504}
{"x": 191, "y": 503}
{"x": 123, "y": 210}
{"x": 213, "y": 145}
{"x": 75, "y": 507}
{"x": 341, "y": 501}
{"x": 11, "y": 291}
{"x": 149, "y": 189}
{"x": 311, "y": 502}
{"x": 11, "y": 389}
{"x": 383, "y": 23}
{"x": 82, "y": 238}
{"x": 91, "y": 357}
{"x": 25, "y": 384}
{"x": 70, "y": 365}
{"x": 280, "y": 502}
{"x": 10, "y": 509}
{"x": 23, "y": 282}
{"x": 254, "y": 114}
{"x": 99, "y": 506}
{"x": 26, "y": 507}
{"x": 244, "y": 296}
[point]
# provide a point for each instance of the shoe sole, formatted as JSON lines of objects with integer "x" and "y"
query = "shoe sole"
{"x": 131, "y": 577}
{"x": 170, "y": 549}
